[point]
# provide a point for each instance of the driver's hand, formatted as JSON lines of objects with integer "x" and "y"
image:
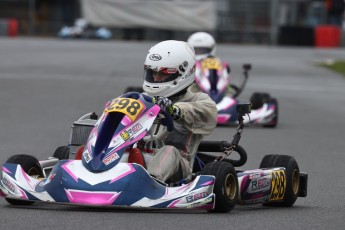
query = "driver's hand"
{"x": 166, "y": 105}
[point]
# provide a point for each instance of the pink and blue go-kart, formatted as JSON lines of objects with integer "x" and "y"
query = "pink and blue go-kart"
{"x": 212, "y": 77}
{"x": 105, "y": 177}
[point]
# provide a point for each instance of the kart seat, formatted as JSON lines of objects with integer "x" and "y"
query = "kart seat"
{"x": 79, "y": 153}
{"x": 135, "y": 156}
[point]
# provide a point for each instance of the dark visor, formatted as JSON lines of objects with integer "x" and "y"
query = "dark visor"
{"x": 202, "y": 50}
{"x": 160, "y": 76}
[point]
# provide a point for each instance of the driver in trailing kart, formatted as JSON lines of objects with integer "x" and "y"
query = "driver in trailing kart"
{"x": 204, "y": 45}
{"x": 169, "y": 71}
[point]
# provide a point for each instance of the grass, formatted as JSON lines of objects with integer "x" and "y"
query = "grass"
{"x": 335, "y": 65}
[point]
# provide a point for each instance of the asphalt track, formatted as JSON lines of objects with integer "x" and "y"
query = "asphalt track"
{"x": 47, "y": 84}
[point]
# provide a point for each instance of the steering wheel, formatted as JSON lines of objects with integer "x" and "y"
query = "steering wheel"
{"x": 166, "y": 121}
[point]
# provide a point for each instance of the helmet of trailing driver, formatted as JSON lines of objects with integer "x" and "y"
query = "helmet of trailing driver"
{"x": 169, "y": 68}
{"x": 203, "y": 43}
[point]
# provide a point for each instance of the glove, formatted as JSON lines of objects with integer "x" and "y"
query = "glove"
{"x": 166, "y": 105}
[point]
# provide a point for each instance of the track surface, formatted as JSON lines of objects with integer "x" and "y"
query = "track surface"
{"x": 47, "y": 84}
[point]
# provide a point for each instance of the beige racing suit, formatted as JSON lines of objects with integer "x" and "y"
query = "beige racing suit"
{"x": 174, "y": 160}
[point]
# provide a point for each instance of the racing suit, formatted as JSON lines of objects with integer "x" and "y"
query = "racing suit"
{"x": 175, "y": 159}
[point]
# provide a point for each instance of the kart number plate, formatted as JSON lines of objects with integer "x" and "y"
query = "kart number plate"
{"x": 128, "y": 106}
{"x": 211, "y": 63}
{"x": 278, "y": 185}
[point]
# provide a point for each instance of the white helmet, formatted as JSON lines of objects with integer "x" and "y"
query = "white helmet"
{"x": 203, "y": 44}
{"x": 175, "y": 60}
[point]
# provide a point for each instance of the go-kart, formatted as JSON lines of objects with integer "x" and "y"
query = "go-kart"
{"x": 212, "y": 77}
{"x": 104, "y": 176}
{"x": 83, "y": 30}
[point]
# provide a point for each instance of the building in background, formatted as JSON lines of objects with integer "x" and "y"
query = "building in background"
{"x": 276, "y": 22}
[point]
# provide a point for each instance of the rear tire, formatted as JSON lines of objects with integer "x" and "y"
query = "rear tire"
{"x": 258, "y": 99}
{"x": 292, "y": 177}
{"x": 31, "y": 166}
{"x": 61, "y": 153}
{"x": 225, "y": 187}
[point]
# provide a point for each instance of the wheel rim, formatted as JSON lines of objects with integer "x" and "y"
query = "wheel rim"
{"x": 230, "y": 186}
{"x": 295, "y": 181}
{"x": 33, "y": 172}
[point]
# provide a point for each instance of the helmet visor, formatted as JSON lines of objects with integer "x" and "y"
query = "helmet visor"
{"x": 160, "y": 76}
{"x": 202, "y": 50}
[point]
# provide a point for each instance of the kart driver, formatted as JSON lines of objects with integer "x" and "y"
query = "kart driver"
{"x": 169, "y": 70}
{"x": 204, "y": 45}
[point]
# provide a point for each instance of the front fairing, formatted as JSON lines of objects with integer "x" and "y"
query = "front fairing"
{"x": 124, "y": 185}
{"x": 116, "y": 130}
{"x": 212, "y": 77}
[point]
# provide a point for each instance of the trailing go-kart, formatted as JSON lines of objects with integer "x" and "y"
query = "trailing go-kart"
{"x": 105, "y": 176}
{"x": 212, "y": 77}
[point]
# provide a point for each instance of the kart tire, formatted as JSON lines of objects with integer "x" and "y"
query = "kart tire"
{"x": 134, "y": 89}
{"x": 31, "y": 166}
{"x": 225, "y": 187}
{"x": 61, "y": 153}
{"x": 274, "y": 122}
{"x": 292, "y": 178}
{"x": 258, "y": 99}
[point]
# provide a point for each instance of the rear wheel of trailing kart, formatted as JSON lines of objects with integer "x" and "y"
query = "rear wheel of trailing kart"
{"x": 274, "y": 122}
{"x": 258, "y": 99}
{"x": 61, "y": 153}
{"x": 31, "y": 166}
{"x": 292, "y": 178}
{"x": 225, "y": 187}
{"x": 134, "y": 89}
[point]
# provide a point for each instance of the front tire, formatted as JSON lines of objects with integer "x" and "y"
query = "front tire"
{"x": 258, "y": 99}
{"x": 134, "y": 89}
{"x": 61, "y": 153}
{"x": 292, "y": 177}
{"x": 274, "y": 122}
{"x": 225, "y": 187}
{"x": 31, "y": 166}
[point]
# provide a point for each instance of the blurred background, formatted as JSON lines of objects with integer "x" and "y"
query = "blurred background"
{"x": 275, "y": 22}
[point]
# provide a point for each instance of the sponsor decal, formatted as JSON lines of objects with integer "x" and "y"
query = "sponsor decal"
{"x": 9, "y": 185}
{"x": 87, "y": 156}
{"x": 136, "y": 128}
{"x": 110, "y": 158}
{"x": 127, "y": 134}
{"x": 116, "y": 142}
{"x": 155, "y": 57}
{"x": 197, "y": 196}
{"x": 255, "y": 175}
{"x": 191, "y": 71}
{"x": 260, "y": 184}
{"x": 197, "y": 204}
{"x": 278, "y": 185}
{"x": 168, "y": 70}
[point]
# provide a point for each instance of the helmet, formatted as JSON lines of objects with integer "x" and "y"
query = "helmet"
{"x": 175, "y": 60}
{"x": 203, "y": 44}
